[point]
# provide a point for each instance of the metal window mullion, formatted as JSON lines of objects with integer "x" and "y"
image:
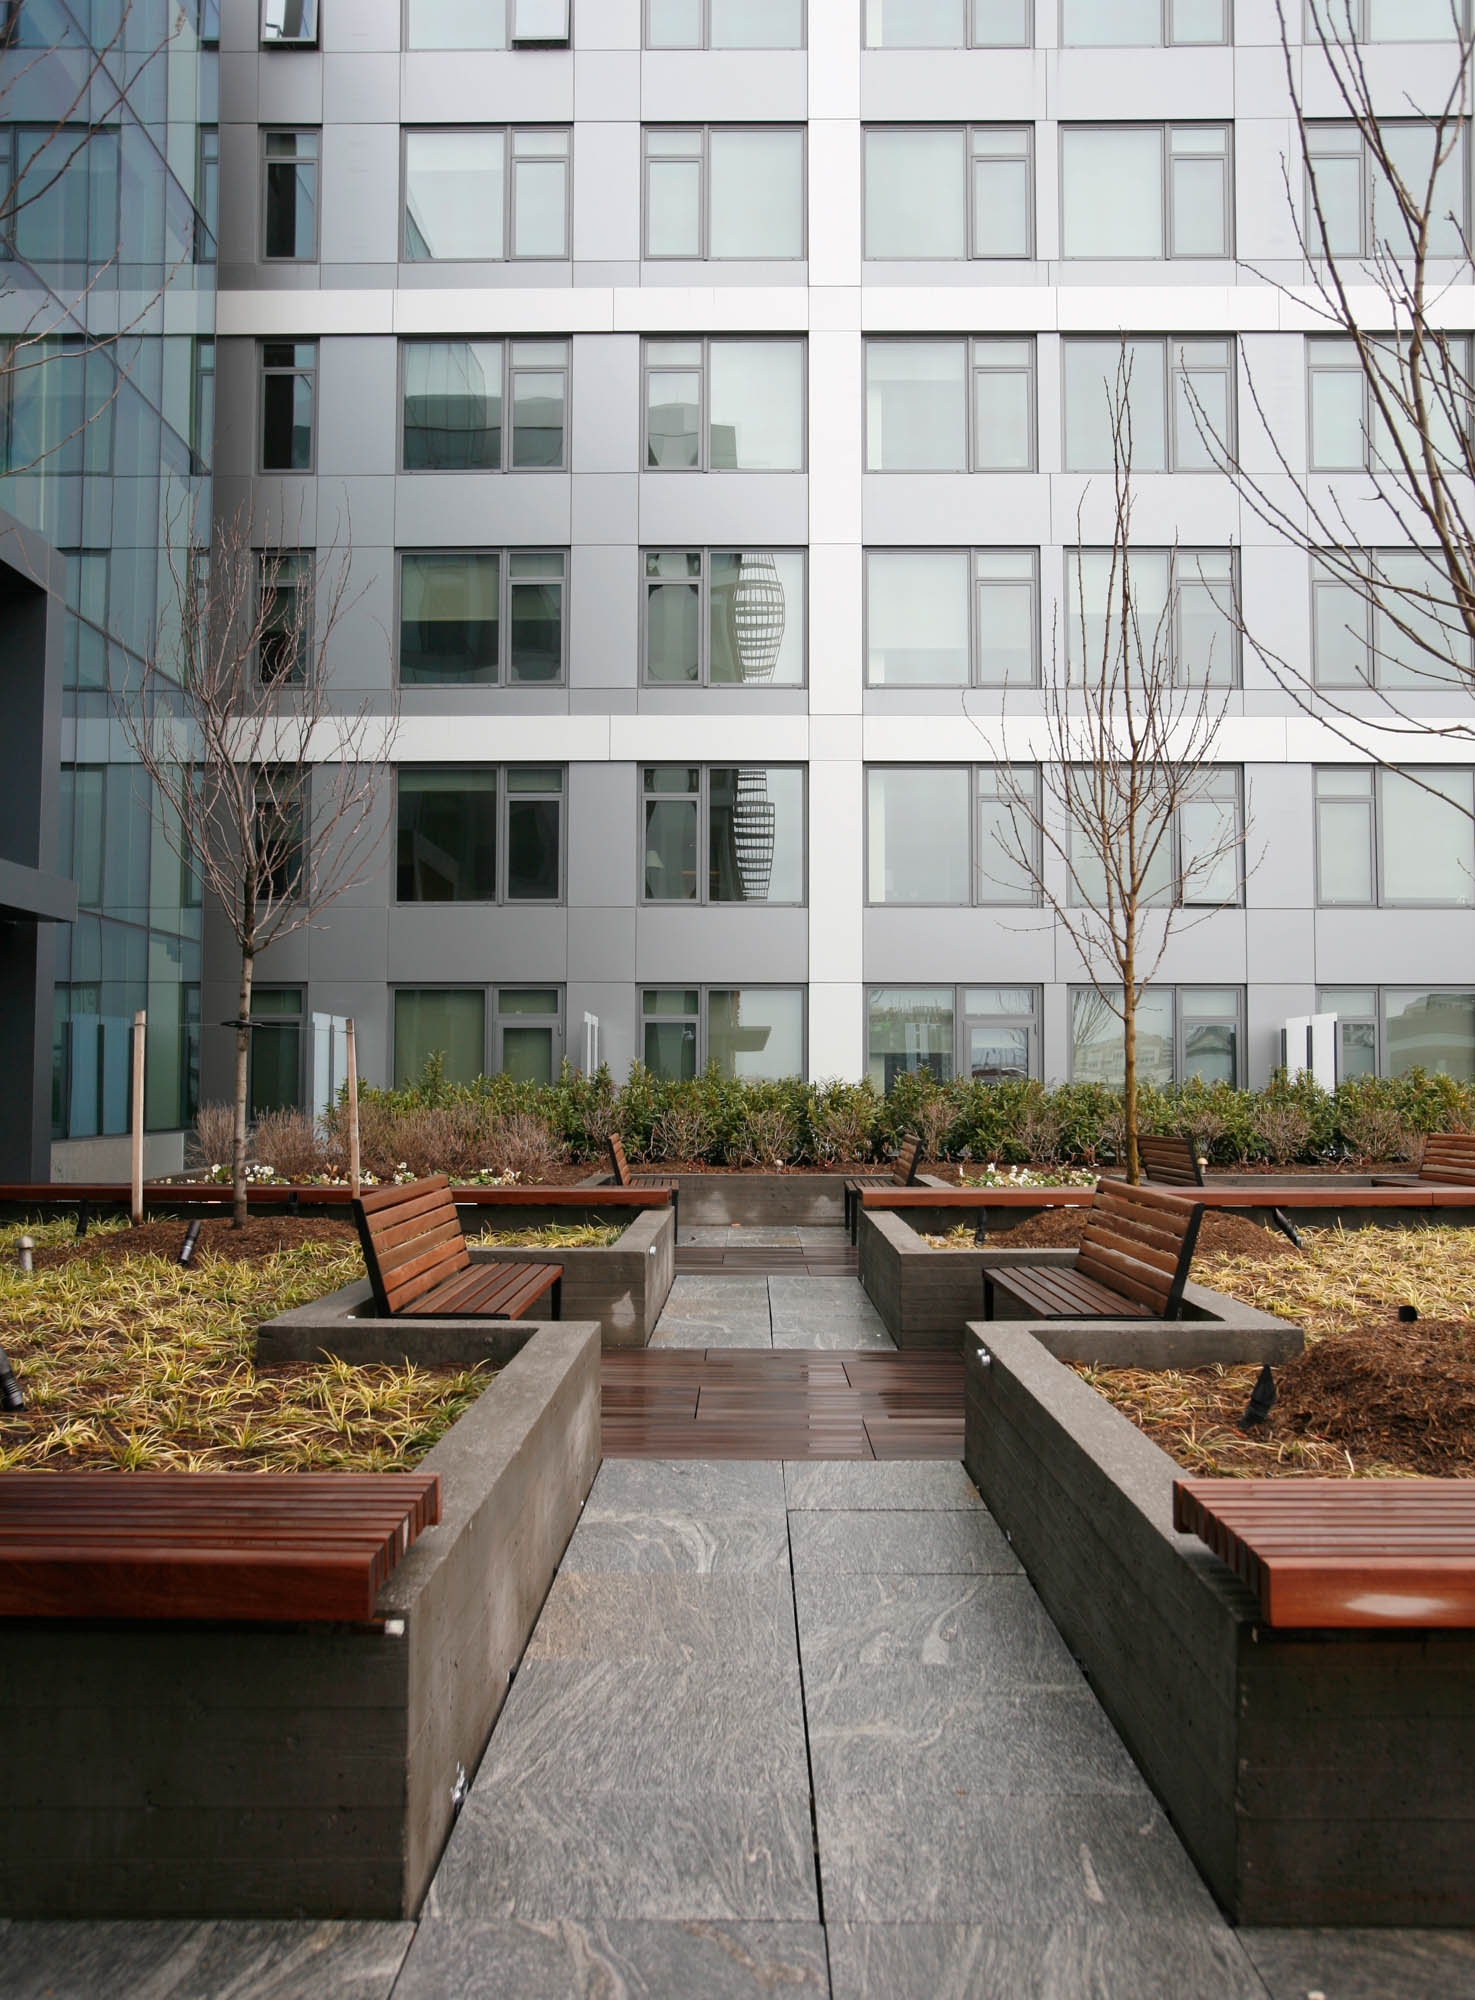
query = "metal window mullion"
{"x": 704, "y": 211}
{"x": 975, "y": 618}
{"x": 704, "y": 617}
{"x": 704, "y": 843}
{"x": 703, "y": 399}
{"x": 970, "y": 402}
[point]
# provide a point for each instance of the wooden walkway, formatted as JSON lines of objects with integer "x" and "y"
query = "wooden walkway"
{"x": 764, "y": 1403}
{"x": 784, "y": 1260}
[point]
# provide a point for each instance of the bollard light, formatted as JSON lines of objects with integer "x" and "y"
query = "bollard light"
{"x": 23, "y": 1253}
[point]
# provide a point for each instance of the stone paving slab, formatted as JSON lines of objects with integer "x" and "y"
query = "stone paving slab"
{"x": 1066, "y": 1961}
{"x": 616, "y": 1961}
{"x": 745, "y": 1620}
{"x": 702, "y": 1296}
{"x": 629, "y": 1485}
{"x": 201, "y": 1961}
{"x": 897, "y": 1486}
{"x": 911, "y": 1543}
{"x": 680, "y": 1542}
{"x": 571, "y": 1727}
{"x": 1363, "y": 1964}
{"x": 834, "y": 1333}
{"x": 669, "y": 1854}
{"x": 1007, "y": 1858}
{"x": 993, "y": 1627}
{"x": 740, "y": 1330}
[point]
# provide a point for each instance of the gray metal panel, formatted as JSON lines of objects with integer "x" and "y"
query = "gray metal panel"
{"x": 727, "y": 944}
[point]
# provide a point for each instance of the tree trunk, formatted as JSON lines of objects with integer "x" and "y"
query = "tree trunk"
{"x": 238, "y": 1134}
{"x": 1129, "y": 1064}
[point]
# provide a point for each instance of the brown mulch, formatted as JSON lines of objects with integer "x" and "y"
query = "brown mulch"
{"x": 260, "y": 1236}
{"x": 1060, "y": 1229}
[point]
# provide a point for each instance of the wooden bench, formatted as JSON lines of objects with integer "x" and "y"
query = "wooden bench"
{"x": 1170, "y": 1161}
{"x": 1342, "y": 1552}
{"x": 215, "y": 1545}
{"x": 419, "y": 1266}
{"x": 1133, "y": 1262}
{"x": 1449, "y": 1158}
{"x": 625, "y": 1179}
{"x": 904, "y": 1172}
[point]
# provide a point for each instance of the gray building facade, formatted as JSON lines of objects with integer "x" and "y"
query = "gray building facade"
{"x": 711, "y": 392}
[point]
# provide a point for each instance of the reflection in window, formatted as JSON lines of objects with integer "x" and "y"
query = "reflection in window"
{"x": 751, "y": 631}
{"x": 465, "y": 200}
{"x": 1182, "y": 1032}
{"x": 1184, "y": 608}
{"x": 439, "y": 1021}
{"x": 750, "y": 1033}
{"x": 724, "y": 24}
{"x": 1383, "y": 838}
{"x": 723, "y": 833}
{"x": 725, "y": 405}
{"x": 290, "y": 201}
{"x": 724, "y": 191}
{"x": 909, "y": 1028}
{"x": 950, "y": 405}
{"x": 454, "y": 404}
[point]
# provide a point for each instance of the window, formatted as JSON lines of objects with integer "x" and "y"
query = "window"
{"x": 207, "y": 192}
{"x": 1179, "y": 394}
{"x": 1146, "y": 191}
{"x": 724, "y": 405}
{"x": 491, "y": 834}
{"x": 479, "y": 193}
{"x": 292, "y": 22}
{"x": 988, "y": 1033}
{"x": 714, "y": 191}
{"x": 1197, "y": 861}
{"x": 527, "y": 1032}
{"x": 1382, "y": 838}
{"x": 1359, "y": 210}
{"x": 1182, "y": 1032}
{"x": 723, "y": 834}
{"x": 1348, "y": 432}
{"x": 456, "y": 605}
{"x": 456, "y": 24}
{"x": 284, "y": 582}
{"x": 1185, "y": 602}
{"x": 289, "y": 203}
{"x": 1356, "y": 1009}
{"x": 951, "y": 834}
{"x": 1087, "y": 24}
{"x": 950, "y": 405}
{"x": 724, "y": 24}
{"x": 60, "y": 186}
{"x": 949, "y": 24}
{"x": 202, "y": 405}
{"x": 948, "y": 617}
{"x": 455, "y": 394}
{"x": 57, "y": 401}
{"x": 288, "y": 394}
{"x": 1385, "y": 20}
{"x": 539, "y": 23}
{"x": 1390, "y": 1031}
{"x": 1387, "y": 620}
{"x": 444, "y": 1021}
{"x": 281, "y": 853}
{"x": 750, "y": 1033}
{"x": 724, "y": 617}
{"x": 276, "y": 1049}
{"x": 949, "y": 191}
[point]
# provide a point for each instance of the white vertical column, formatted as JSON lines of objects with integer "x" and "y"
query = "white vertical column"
{"x": 836, "y": 820}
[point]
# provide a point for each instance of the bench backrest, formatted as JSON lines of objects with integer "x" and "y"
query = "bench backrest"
{"x": 1449, "y": 1156}
{"x": 412, "y": 1240}
{"x": 1140, "y": 1242}
{"x": 1171, "y": 1161}
{"x": 617, "y": 1159}
{"x": 908, "y": 1161}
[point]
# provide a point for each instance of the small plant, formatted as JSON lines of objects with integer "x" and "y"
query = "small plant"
{"x": 288, "y": 1142}
{"x": 211, "y": 1137}
{"x": 994, "y": 1176}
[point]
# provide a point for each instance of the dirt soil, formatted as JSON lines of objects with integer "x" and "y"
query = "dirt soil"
{"x": 1060, "y": 1229}
{"x": 260, "y": 1236}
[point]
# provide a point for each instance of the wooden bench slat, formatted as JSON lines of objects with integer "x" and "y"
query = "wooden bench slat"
{"x": 419, "y": 1265}
{"x": 1133, "y": 1261}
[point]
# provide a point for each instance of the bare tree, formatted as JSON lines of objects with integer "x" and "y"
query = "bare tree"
{"x": 1123, "y": 840}
{"x": 1396, "y": 545}
{"x": 264, "y": 788}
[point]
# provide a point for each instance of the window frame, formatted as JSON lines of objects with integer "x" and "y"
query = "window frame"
{"x": 969, "y": 41}
{"x": 1034, "y": 1022}
{"x": 1325, "y": 344}
{"x": 299, "y": 804}
{"x": 306, "y": 371}
{"x": 1332, "y": 18}
{"x": 207, "y": 194}
{"x": 1178, "y": 574}
{"x": 266, "y": 163}
{"x": 704, "y": 900}
{"x": 968, "y": 129}
{"x": 1236, "y": 776}
{"x": 500, "y": 899}
{"x": 975, "y": 620}
{"x": 396, "y": 987}
{"x": 309, "y": 39}
{"x": 704, "y": 990}
{"x": 705, "y": 45}
{"x": 705, "y": 552}
{"x": 300, "y": 1022}
{"x": 497, "y": 1022}
{"x": 1177, "y": 989}
{"x": 1176, "y": 367}
{"x": 1166, "y": 127}
{"x": 1313, "y": 249}
{"x": 1378, "y": 1021}
{"x": 505, "y": 556}
{"x": 510, "y": 370}
{"x": 1376, "y": 810}
{"x": 293, "y": 570}
{"x": 1323, "y": 580}
{"x": 976, "y": 901}
{"x": 971, "y": 343}
{"x": 1167, "y": 40}
{"x": 510, "y": 254}
{"x": 704, "y": 465}
{"x": 705, "y": 253}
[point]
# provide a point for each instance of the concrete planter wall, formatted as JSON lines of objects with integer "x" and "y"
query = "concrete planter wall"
{"x": 620, "y": 1285}
{"x": 155, "y": 1769}
{"x": 1315, "y": 1777}
{"x": 927, "y": 1297}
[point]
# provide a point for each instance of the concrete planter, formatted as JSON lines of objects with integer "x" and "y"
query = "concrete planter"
{"x": 620, "y": 1285}
{"x": 168, "y": 1770}
{"x": 1315, "y": 1777}
{"x": 927, "y": 1297}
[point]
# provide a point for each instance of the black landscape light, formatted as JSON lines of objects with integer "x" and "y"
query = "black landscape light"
{"x": 12, "y": 1396}
{"x": 191, "y": 1238}
{"x": 1262, "y": 1401}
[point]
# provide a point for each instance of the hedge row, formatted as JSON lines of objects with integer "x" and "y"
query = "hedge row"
{"x": 721, "y": 1122}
